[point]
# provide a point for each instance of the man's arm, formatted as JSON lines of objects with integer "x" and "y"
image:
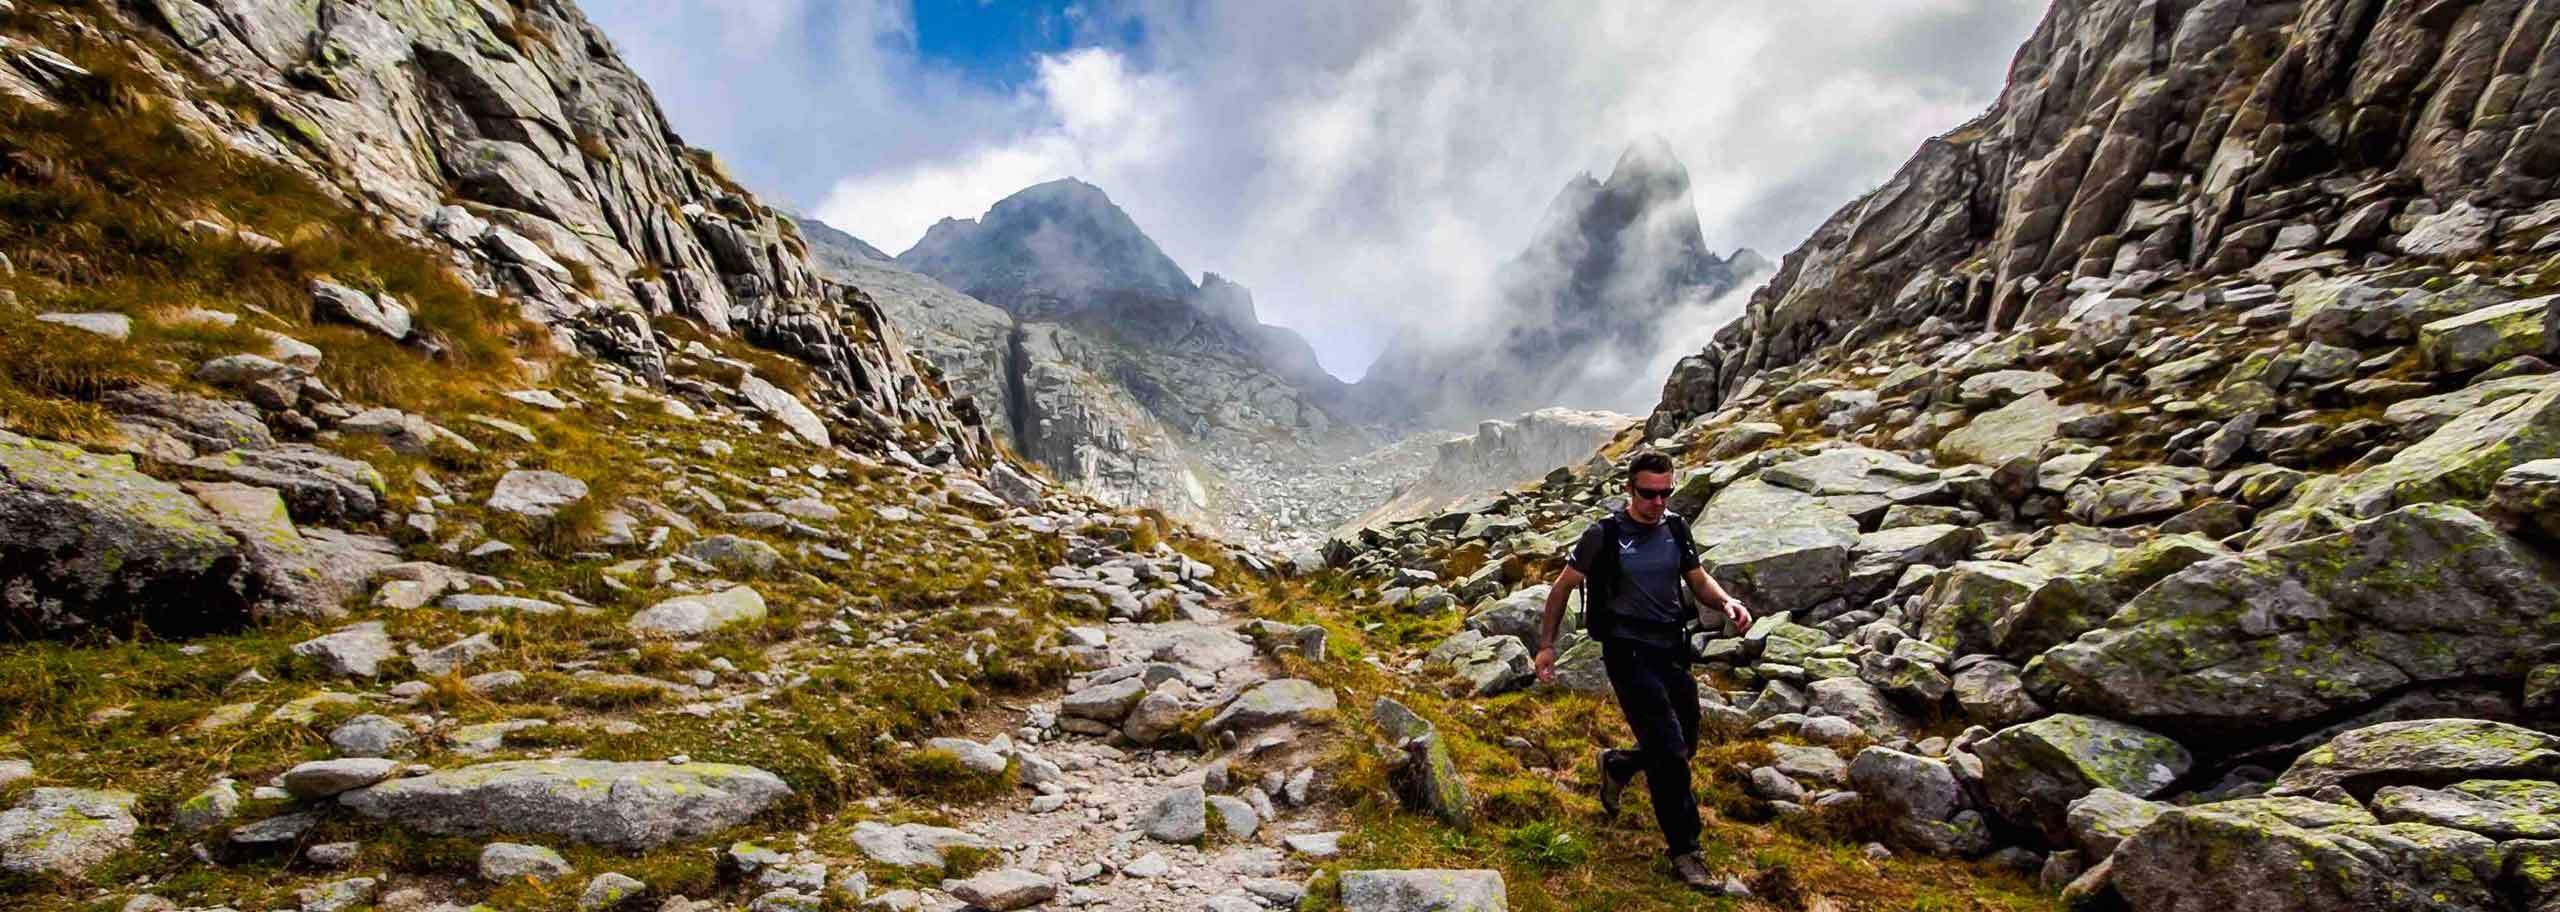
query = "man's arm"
{"x": 1552, "y": 618}
{"x": 1709, "y": 595}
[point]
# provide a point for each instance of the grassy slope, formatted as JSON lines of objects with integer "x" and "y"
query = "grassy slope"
{"x": 1538, "y": 820}
{"x": 92, "y": 198}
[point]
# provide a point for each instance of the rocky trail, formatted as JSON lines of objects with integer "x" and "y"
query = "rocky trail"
{"x": 1125, "y": 828}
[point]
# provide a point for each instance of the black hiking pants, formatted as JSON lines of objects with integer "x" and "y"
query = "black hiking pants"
{"x": 1660, "y": 701}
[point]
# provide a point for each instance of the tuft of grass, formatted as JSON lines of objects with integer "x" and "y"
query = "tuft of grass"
{"x": 939, "y": 775}
{"x": 1546, "y": 845}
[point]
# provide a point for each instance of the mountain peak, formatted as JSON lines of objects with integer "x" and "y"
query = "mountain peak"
{"x": 1050, "y": 250}
{"x": 1648, "y": 157}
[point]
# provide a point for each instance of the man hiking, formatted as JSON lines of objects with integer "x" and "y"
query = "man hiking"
{"x": 1640, "y": 568}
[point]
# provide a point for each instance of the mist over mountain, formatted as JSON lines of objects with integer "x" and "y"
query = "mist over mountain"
{"x": 1578, "y": 317}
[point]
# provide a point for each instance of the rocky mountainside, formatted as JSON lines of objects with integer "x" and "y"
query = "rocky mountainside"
{"x": 514, "y": 138}
{"x": 2179, "y": 429}
{"x": 1576, "y": 317}
{"x": 2226, "y": 137}
{"x": 1093, "y": 355}
{"x": 1500, "y": 456}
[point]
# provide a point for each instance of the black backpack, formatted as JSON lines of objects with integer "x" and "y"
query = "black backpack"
{"x": 1600, "y": 583}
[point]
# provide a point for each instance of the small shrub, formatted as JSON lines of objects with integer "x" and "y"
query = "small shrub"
{"x": 1546, "y": 846}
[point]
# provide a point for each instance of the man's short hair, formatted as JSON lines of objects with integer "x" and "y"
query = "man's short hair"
{"x": 1648, "y": 461}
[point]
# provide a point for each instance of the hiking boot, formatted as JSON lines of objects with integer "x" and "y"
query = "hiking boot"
{"x": 1692, "y": 870}
{"x": 1611, "y": 790}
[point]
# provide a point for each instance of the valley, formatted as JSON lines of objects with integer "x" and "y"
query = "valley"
{"x": 427, "y": 483}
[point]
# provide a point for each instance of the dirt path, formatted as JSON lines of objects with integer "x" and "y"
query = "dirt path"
{"x": 1087, "y": 831}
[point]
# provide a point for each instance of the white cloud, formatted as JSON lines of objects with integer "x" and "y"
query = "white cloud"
{"x": 1358, "y": 163}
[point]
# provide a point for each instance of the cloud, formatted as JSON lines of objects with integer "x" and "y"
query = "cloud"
{"x": 1361, "y": 164}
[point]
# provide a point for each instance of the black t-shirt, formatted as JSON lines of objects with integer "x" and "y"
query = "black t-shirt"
{"x": 1647, "y": 589}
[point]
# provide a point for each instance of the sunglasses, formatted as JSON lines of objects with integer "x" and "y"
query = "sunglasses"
{"x": 1653, "y": 493}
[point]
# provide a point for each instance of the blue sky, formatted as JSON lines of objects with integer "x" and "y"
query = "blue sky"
{"x": 999, "y": 42}
{"x": 1362, "y": 165}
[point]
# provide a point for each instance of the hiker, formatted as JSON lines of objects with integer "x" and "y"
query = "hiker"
{"x": 1640, "y": 567}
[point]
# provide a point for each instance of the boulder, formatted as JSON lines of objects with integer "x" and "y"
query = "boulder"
{"x": 2002, "y": 387}
{"x": 1424, "y": 890}
{"x": 778, "y": 404}
{"x": 2500, "y": 809}
{"x": 1776, "y": 548}
{"x": 912, "y": 845}
{"x": 2033, "y": 772}
{"x": 1181, "y": 816}
{"x": 610, "y": 890}
{"x": 2290, "y": 854}
{"x": 1926, "y": 798}
{"x": 2105, "y": 817}
{"x": 354, "y": 651}
{"x": 695, "y": 615}
{"x": 370, "y": 736}
{"x": 2461, "y": 231}
{"x": 1013, "y": 486}
{"x": 2487, "y": 336}
{"x": 2236, "y": 645}
{"x": 1963, "y": 605}
{"x": 90, "y": 542}
{"x": 332, "y": 301}
{"x": 624, "y": 805}
{"x": 318, "y": 486}
{"x": 1993, "y": 695}
{"x": 1104, "y": 702}
{"x": 2066, "y": 606}
{"x": 1515, "y": 615}
{"x": 538, "y": 494}
{"x": 2136, "y": 496}
{"x": 323, "y": 778}
{"x": 298, "y": 574}
{"x": 972, "y": 755}
{"x": 63, "y": 832}
{"x": 505, "y": 862}
{"x": 1236, "y": 816}
{"x": 2461, "y": 461}
{"x": 1862, "y": 704}
{"x": 1848, "y": 470}
{"x": 1271, "y": 703}
{"x": 730, "y": 554}
{"x": 2018, "y": 430}
{"x": 1422, "y": 774}
{"x": 1002, "y": 890}
{"x": 1821, "y": 766}
{"x": 2422, "y": 752}
{"x": 2531, "y": 491}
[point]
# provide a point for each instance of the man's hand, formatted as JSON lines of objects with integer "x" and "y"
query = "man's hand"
{"x": 1737, "y": 612}
{"x": 1734, "y": 610}
{"x": 1546, "y": 664}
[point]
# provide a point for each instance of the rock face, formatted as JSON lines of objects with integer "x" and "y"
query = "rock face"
{"x": 89, "y": 542}
{"x": 1501, "y": 455}
{"x": 517, "y": 139}
{"x": 1574, "y": 316}
{"x": 2424, "y": 594}
{"x": 2135, "y": 136}
{"x": 618, "y": 805}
